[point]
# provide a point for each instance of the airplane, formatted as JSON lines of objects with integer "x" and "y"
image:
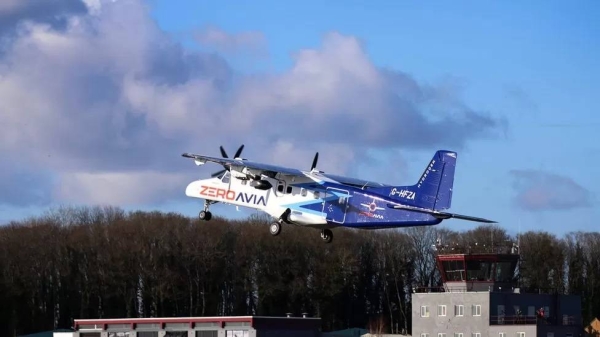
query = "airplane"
{"x": 324, "y": 201}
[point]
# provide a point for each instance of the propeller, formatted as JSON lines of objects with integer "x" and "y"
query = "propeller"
{"x": 314, "y": 163}
{"x": 237, "y": 154}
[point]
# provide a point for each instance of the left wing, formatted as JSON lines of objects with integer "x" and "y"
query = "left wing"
{"x": 355, "y": 182}
{"x": 200, "y": 160}
{"x": 440, "y": 215}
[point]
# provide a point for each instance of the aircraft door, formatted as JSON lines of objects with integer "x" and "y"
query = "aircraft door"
{"x": 336, "y": 204}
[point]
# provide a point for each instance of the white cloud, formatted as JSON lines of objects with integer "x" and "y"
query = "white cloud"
{"x": 107, "y": 102}
{"x": 332, "y": 157}
{"x": 249, "y": 41}
{"x": 8, "y": 6}
{"x": 118, "y": 188}
{"x": 540, "y": 191}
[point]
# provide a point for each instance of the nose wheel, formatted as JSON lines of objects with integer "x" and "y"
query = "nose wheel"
{"x": 327, "y": 235}
{"x": 206, "y": 215}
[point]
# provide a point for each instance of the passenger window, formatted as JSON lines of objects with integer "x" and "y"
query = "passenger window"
{"x": 280, "y": 187}
{"x": 289, "y": 190}
{"x": 317, "y": 194}
{"x": 303, "y": 192}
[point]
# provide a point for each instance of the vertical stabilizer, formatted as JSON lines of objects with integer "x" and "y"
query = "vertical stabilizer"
{"x": 433, "y": 190}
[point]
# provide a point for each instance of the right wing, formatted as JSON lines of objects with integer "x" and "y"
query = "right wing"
{"x": 237, "y": 163}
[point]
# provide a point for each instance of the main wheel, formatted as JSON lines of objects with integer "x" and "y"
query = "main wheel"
{"x": 327, "y": 235}
{"x": 205, "y": 215}
{"x": 275, "y": 228}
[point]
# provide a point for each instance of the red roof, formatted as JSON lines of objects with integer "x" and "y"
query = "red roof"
{"x": 253, "y": 321}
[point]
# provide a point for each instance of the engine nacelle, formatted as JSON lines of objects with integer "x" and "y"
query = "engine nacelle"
{"x": 238, "y": 174}
{"x": 261, "y": 184}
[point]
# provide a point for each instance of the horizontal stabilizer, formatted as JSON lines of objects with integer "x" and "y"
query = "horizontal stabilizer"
{"x": 468, "y": 218}
{"x": 440, "y": 215}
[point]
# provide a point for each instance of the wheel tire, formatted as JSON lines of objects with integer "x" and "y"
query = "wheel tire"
{"x": 205, "y": 215}
{"x": 327, "y": 235}
{"x": 275, "y": 228}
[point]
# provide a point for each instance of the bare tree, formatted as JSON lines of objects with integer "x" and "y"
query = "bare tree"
{"x": 103, "y": 262}
{"x": 377, "y": 326}
{"x": 423, "y": 241}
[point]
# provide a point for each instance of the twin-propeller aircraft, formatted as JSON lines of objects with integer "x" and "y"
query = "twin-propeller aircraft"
{"x": 324, "y": 201}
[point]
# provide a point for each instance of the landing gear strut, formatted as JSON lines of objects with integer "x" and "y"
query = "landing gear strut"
{"x": 275, "y": 227}
{"x": 206, "y": 215}
{"x": 326, "y": 235}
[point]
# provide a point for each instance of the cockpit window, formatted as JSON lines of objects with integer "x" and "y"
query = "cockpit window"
{"x": 225, "y": 177}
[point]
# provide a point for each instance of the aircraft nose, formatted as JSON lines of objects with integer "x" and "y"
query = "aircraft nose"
{"x": 192, "y": 189}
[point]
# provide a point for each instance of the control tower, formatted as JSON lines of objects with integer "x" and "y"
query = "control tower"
{"x": 478, "y": 272}
{"x": 480, "y": 296}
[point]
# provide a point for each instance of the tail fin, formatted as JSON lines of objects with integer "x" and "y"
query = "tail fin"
{"x": 433, "y": 189}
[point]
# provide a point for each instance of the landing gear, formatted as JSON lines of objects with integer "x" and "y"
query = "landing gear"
{"x": 326, "y": 235}
{"x": 206, "y": 215}
{"x": 275, "y": 228}
{"x": 285, "y": 216}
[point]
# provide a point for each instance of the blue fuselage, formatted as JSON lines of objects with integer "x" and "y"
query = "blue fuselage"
{"x": 349, "y": 206}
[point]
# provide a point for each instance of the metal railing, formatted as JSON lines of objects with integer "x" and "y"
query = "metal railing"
{"x": 469, "y": 287}
{"x": 565, "y": 320}
{"x": 513, "y": 320}
{"x": 463, "y": 289}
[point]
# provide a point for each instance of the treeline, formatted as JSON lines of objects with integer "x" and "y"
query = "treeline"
{"x": 106, "y": 263}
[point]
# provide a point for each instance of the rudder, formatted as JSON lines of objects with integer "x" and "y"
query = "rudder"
{"x": 444, "y": 193}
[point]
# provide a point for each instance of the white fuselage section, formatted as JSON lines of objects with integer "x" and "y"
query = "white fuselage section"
{"x": 274, "y": 201}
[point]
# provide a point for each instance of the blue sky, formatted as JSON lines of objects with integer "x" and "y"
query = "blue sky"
{"x": 530, "y": 65}
{"x": 534, "y": 63}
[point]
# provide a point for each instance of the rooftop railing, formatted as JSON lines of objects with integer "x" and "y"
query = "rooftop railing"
{"x": 468, "y": 287}
{"x": 566, "y": 320}
{"x": 513, "y": 320}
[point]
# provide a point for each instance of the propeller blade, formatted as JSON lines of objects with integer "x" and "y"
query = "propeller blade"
{"x": 314, "y": 163}
{"x": 239, "y": 152}
{"x": 217, "y": 173}
{"x": 223, "y": 153}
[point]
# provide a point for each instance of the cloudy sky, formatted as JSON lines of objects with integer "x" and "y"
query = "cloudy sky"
{"x": 99, "y": 98}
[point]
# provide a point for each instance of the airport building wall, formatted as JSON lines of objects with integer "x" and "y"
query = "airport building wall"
{"x": 463, "y": 314}
{"x": 243, "y": 326}
{"x": 495, "y": 314}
